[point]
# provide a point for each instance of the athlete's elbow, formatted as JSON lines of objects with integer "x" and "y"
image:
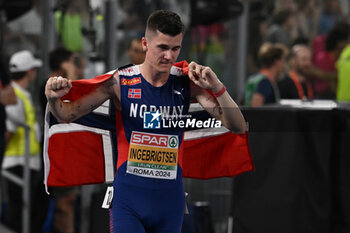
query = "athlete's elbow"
{"x": 239, "y": 132}
{"x": 238, "y": 129}
{"x": 63, "y": 118}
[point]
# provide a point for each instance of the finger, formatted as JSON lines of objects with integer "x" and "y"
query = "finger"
{"x": 65, "y": 83}
{"x": 54, "y": 84}
{"x": 192, "y": 69}
{"x": 193, "y": 75}
{"x": 61, "y": 82}
{"x": 195, "y": 81}
{"x": 191, "y": 66}
{"x": 206, "y": 72}
{"x": 69, "y": 85}
{"x": 57, "y": 83}
{"x": 198, "y": 70}
{"x": 50, "y": 83}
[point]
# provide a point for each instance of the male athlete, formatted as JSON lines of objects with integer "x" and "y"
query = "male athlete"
{"x": 148, "y": 192}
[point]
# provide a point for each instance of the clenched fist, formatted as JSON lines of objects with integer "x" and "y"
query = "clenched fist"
{"x": 56, "y": 87}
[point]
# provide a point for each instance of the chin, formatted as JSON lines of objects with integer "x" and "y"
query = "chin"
{"x": 164, "y": 67}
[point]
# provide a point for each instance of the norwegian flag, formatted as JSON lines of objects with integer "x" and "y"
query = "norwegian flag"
{"x": 84, "y": 151}
{"x": 134, "y": 93}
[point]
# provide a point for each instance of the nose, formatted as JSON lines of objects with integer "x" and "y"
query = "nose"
{"x": 168, "y": 54}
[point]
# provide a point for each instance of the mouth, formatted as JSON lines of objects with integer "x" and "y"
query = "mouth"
{"x": 165, "y": 64}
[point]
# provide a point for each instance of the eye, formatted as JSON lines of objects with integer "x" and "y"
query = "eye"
{"x": 163, "y": 47}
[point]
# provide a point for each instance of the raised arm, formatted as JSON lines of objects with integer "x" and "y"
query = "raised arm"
{"x": 222, "y": 107}
{"x": 56, "y": 87}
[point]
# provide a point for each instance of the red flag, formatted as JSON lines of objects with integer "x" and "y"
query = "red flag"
{"x": 84, "y": 152}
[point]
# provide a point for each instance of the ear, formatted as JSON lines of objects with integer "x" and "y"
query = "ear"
{"x": 144, "y": 44}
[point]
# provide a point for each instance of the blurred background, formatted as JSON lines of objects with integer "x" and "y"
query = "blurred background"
{"x": 229, "y": 36}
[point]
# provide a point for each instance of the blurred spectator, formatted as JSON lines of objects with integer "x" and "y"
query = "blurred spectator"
{"x": 335, "y": 42}
{"x": 25, "y": 31}
{"x": 331, "y": 14}
{"x": 318, "y": 45}
{"x": 23, "y": 71}
{"x": 331, "y": 8}
{"x": 308, "y": 14}
{"x": 295, "y": 85}
{"x": 301, "y": 41}
{"x": 208, "y": 47}
{"x": 283, "y": 28}
{"x": 80, "y": 63}
{"x": 62, "y": 63}
{"x": 285, "y": 4}
{"x": 135, "y": 51}
{"x": 345, "y": 6}
{"x": 7, "y": 97}
{"x": 256, "y": 35}
{"x": 180, "y": 7}
{"x": 261, "y": 88}
{"x": 70, "y": 17}
{"x": 343, "y": 67}
{"x": 135, "y": 14}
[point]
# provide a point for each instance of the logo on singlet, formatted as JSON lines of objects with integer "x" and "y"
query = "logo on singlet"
{"x": 134, "y": 93}
{"x": 151, "y": 120}
{"x": 173, "y": 142}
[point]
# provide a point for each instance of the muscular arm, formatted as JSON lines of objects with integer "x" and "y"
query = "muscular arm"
{"x": 223, "y": 108}
{"x": 70, "y": 111}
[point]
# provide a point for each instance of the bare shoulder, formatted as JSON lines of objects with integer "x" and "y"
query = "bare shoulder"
{"x": 116, "y": 85}
{"x": 110, "y": 85}
{"x": 113, "y": 85}
{"x": 112, "y": 81}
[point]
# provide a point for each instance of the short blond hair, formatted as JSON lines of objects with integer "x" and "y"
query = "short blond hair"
{"x": 269, "y": 53}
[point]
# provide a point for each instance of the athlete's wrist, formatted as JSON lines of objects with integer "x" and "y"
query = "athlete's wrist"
{"x": 218, "y": 90}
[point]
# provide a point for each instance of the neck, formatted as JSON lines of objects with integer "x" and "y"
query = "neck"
{"x": 300, "y": 75}
{"x": 153, "y": 76}
{"x": 271, "y": 74}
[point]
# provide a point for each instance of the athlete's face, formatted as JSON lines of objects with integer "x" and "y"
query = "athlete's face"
{"x": 161, "y": 50}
